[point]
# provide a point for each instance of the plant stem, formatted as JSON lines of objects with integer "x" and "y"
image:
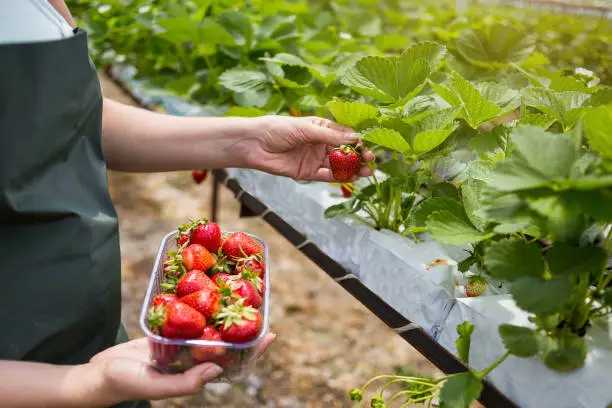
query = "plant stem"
{"x": 411, "y": 393}
{"x": 482, "y": 374}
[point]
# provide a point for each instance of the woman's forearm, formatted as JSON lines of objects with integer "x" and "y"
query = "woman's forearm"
{"x": 32, "y": 385}
{"x": 138, "y": 140}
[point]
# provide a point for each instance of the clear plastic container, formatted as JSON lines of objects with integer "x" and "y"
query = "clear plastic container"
{"x": 175, "y": 356}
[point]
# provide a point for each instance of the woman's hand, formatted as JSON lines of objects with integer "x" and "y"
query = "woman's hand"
{"x": 299, "y": 147}
{"x": 124, "y": 373}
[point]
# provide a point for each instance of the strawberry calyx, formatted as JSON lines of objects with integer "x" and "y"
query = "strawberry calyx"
{"x": 223, "y": 264}
{"x": 251, "y": 276}
{"x": 156, "y": 318}
{"x": 226, "y": 289}
{"x": 169, "y": 285}
{"x": 187, "y": 228}
{"x": 236, "y": 314}
{"x": 348, "y": 148}
{"x": 174, "y": 266}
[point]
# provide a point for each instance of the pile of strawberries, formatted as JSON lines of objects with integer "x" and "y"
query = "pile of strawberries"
{"x": 213, "y": 289}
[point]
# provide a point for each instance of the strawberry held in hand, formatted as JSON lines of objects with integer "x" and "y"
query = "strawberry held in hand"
{"x": 176, "y": 320}
{"x": 344, "y": 162}
{"x": 239, "y": 245}
{"x": 239, "y": 323}
{"x": 195, "y": 256}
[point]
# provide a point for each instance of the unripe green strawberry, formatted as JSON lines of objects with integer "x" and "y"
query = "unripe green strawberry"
{"x": 475, "y": 286}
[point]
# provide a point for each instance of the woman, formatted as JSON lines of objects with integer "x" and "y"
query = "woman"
{"x": 61, "y": 343}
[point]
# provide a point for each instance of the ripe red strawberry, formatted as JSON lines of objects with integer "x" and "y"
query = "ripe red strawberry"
{"x": 208, "y": 353}
{"x": 225, "y": 278}
{"x": 347, "y": 189}
{"x": 197, "y": 257}
{"x": 344, "y": 162}
{"x": 207, "y": 302}
{"x": 194, "y": 281}
{"x": 176, "y": 320}
{"x": 252, "y": 271}
{"x": 475, "y": 286}
{"x": 247, "y": 291}
{"x": 239, "y": 323}
{"x": 164, "y": 299}
{"x": 198, "y": 176}
{"x": 208, "y": 235}
{"x": 239, "y": 245}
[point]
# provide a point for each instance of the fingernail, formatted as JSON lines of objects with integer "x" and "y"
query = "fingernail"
{"x": 352, "y": 137}
{"x": 211, "y": 372}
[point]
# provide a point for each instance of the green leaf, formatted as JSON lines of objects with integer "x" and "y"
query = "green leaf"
{"x": 432, "y": 130}
{"x": 497, "y": 47}
{"x": 475, "y": 109}
{"x": 520, "y": 341}
{"x": 565, "y": 107}
{"x": 472, "y": 197}
{"x": 541, "y": 296}
{"x": 598, "y": 130}
{"x": 351, "y": 114}
{"x": 243, "y": 80}
{"x": 462, "y": 343}
{"x": 490, "y": 145}
{"x": 426, "y": 141}
{"x": 507, "y": 99}
{"x": 460, "y": 390}
{"x": 239, "y": 26}
{"x": 391, "y": 79}
{"x": 388, "y": 138}
{"x": 551, "y": 154}
{"x": 539, "y": 158}
{"x": 336, "y": 210}
{"x": 513, "y": 258}
{"x": 431, "y": 205}
{"x": 256, "y": 98}
{"x": 563, "y": 352}
{"x": 570, "y": 260}
{"x": 449, "y": 228}
{"x": 420, "y": 106}
{"x": 245, "y": 112}
{"x": 381, "y": 78}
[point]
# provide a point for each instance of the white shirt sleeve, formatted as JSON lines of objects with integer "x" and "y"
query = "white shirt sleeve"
{"x": 25, "y": 21}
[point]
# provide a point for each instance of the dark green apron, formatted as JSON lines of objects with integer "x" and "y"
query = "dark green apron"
{"x": 59, "y": 243}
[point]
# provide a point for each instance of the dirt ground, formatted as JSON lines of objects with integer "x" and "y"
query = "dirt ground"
{"x": 327, "y": 341}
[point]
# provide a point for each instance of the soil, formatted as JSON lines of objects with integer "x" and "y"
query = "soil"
{"x": 327, "y": 341}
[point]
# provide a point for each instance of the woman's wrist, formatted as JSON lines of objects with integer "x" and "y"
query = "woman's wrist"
{"x": 86, "y": 385}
